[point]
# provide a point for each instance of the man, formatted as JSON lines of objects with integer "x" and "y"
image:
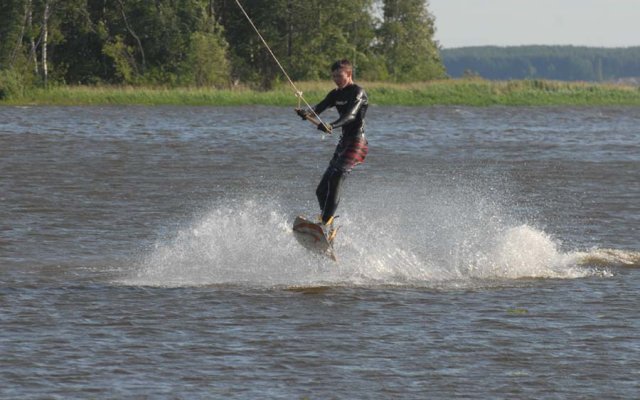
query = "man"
{"x": 351, "y": 102}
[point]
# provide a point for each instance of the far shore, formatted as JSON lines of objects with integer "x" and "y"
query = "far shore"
{"x": 462, "y": 92}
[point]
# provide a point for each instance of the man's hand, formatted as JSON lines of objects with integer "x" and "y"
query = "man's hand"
{"x": 304, "y": 114}
{"x": 326, "y": 128}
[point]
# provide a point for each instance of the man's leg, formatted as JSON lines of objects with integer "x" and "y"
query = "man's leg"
{"x": 328, "y": 192}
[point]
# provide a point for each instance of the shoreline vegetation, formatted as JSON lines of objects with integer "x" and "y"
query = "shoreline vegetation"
{"x": 461, "y": 92}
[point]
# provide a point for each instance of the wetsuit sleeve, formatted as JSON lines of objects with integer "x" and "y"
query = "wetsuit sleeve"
{"x": 355, "y": 104}
{"x": 328, "y": 101}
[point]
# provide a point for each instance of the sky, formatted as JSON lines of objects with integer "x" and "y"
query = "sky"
{"x": 599, "y": 23}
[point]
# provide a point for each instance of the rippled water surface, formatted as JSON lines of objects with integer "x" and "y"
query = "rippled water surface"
{"x": 483, "y": 253}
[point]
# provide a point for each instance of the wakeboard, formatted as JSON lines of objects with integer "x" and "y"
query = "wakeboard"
{"x": 313, "y": 237}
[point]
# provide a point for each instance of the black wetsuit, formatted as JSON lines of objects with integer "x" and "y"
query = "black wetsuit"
{"x": 351, "y": 103}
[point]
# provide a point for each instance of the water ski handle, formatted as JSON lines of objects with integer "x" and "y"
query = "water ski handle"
{"x": 315, "y": 121}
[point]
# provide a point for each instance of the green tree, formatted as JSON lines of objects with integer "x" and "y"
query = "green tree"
{"x": 305, "y": 35}
{"x": 165, "y": 41}
{"x": 210, "y": 42}
{"x": 123, "y": 59}
{"x": 406, "y": 41}
{"x": 330, "y": 31}
{"x": 207, "y": 62}
{"x": 250, "y": 60}
{"x": 12, "y": 25}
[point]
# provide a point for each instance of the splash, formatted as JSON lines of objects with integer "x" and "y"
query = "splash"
{"x": 431, "y": 241}
{"x": 237, "y": 243}
{"x": 608, "y": 258}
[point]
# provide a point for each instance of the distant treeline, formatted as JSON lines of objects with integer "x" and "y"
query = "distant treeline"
{"x": 567, "y": 63}
{"x": 210, "y": 42}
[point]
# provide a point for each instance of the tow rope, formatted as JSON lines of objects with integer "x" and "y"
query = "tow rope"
{"x": 297, "y": 92}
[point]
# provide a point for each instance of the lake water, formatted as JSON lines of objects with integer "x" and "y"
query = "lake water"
{"x": 483, "y": 253}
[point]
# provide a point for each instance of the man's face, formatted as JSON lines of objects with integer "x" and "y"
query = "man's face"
{"x": 341, "y": 77}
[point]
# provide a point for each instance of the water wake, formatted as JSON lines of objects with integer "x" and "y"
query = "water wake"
{"x": 438, "y": 242}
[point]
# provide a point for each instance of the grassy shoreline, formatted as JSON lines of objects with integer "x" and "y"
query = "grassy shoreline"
{"x": 469, "y": 92}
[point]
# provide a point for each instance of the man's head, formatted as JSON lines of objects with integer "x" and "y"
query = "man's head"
{"x": 342, "y": 73}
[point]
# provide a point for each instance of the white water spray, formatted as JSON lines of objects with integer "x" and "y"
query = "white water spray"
{"x": 427, "y": 240}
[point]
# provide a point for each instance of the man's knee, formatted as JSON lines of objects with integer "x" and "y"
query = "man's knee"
{"x": 329, "y": 182}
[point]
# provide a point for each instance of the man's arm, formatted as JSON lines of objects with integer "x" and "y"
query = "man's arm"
{"x": 327, "y": 102}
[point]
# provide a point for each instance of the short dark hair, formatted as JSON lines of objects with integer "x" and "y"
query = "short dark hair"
{"x": 342, "y": 64}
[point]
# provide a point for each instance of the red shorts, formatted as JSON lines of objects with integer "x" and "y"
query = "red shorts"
{"x": 349, "y": 153}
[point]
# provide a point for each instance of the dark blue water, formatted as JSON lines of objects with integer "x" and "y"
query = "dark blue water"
{"x": 483, "y": 253}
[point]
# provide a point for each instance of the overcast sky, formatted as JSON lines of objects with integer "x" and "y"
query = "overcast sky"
{"x": 606, "y": 23}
